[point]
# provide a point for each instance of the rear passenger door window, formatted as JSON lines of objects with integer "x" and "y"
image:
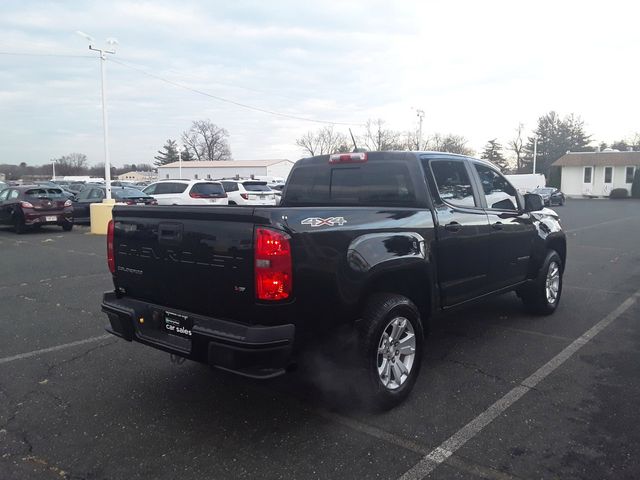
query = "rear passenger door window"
{"x": 453, "y": 182}
{"x": 498, "y": 192}
{"x": 150, "y": 190}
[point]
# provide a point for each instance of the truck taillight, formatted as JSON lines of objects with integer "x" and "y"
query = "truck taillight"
{"x": 272, "y": 264}
{"x": 111, "y": 261}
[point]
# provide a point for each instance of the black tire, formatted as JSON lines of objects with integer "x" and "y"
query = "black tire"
{"x": 380, "y": 311}
{"x": 232, "y": 203}
{"x": 67, "y": 226}
{"x": 19, "y": 227}
{"x": 535, "y": 296}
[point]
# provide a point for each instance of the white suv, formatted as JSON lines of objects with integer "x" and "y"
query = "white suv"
{"x": 248, "y": 192}
{"x": 187, "y": 192}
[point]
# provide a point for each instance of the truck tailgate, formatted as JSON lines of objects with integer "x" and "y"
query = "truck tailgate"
{"x": 201, "y": 259}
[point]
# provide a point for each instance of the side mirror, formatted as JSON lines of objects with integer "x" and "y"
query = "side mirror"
{"x": 533, "y": 202}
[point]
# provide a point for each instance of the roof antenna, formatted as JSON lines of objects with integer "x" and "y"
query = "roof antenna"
{"x": 355, "y": 147}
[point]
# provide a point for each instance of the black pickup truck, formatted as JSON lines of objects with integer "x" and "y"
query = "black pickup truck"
{"x": 380, "y": 241}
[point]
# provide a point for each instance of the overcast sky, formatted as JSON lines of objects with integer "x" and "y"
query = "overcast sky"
{"x": 476, "y": 68}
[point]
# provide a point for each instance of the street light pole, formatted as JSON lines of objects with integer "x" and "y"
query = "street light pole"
{"x": 420, "y": 114}
{"x": 112, "y": 42}
{"x": 105, "y": 123}
{"x": 53, "y": 163}
{"x": 180, "y": 150}
{"x": 535, "y": 152}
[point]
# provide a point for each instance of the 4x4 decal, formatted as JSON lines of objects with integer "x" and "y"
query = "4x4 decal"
{"x": 321, "y": 222}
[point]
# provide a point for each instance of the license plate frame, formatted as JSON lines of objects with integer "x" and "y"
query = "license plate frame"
{"x": 177, "y": 324}
{"x": 51, "y": 218}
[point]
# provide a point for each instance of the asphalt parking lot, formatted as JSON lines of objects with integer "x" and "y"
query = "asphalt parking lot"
{"x": 501, "y": 395}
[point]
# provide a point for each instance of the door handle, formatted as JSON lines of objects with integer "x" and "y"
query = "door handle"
{"x": 453, "y": 227}
{"x": 497, "y": 226}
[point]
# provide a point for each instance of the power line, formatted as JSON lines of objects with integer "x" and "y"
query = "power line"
{"x": 186, "y": 87}
{"x": 21, "y": 54}
{"x": 226, "y": 100}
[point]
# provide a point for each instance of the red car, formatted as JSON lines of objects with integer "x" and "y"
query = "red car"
{"x": 33, "y": 206}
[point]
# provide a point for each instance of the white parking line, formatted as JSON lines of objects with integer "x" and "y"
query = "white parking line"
{"x": 608, "y": 222}
{"x": 438, "y": 455}
{"x": 35, "y": 353}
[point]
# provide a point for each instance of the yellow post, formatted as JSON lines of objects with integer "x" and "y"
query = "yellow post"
{"x": 100, "y": 216}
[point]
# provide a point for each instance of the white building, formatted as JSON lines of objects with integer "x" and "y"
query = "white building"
{"x": 597, "y": 173}
{"x": 210, "y": 170}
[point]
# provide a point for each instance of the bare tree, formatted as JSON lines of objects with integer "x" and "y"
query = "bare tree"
{"x": 71, "y": 164}
{"x": 517, "y": 146}
{"x": 449, "y": 143}
{"x": 206, "y": 141}
{"x": 323, "y": 141}
{"x": 378, "y": 138}
{"x": 410, "y": 141}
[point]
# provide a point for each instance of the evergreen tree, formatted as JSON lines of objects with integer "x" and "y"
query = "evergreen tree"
{"x": 187, "y": 156}
{"x": 493, "y": 153}
{"x": 556, "y": 136}
{"x": 168, "y": 154}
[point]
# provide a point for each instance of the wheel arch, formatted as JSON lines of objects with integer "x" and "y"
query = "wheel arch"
{"x": 415, "y": 283}
{"x": 559, "y": 244}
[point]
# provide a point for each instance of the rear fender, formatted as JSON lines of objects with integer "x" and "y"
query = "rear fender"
{"x": 396, "y": 262}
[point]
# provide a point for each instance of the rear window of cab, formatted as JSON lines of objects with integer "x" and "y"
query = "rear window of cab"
{"x": 372, "y": 184}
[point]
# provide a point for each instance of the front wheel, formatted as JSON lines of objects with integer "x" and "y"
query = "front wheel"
{"x": 391, "y": 342}
{"x": 543, "y": 295}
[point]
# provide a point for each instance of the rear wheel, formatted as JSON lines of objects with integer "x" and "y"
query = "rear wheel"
{"x": 19, "y": 226}
{"x": 391, "y": 343}
{"x": 543, "y": 295}
{"x": 67, "y": 226}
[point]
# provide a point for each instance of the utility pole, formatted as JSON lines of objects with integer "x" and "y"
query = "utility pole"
{"x": 112, "y": 42}
{"x": 420, "y": 114}
{"x": 535, "y": 152}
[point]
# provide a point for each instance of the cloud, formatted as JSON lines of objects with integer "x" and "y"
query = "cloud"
{"x": 476, "y": 68}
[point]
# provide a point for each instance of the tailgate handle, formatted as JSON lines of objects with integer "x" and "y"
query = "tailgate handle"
{"x": 170, "y": 232}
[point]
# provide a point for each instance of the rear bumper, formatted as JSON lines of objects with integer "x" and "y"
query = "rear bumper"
{"x": 249, "y": 350}
{"x": 39, "y": 217}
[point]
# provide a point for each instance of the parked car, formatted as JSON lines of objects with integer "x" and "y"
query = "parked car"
{"x": 34, "y": 206}
{"x": 75, "y": 187}
{"x": 550, "y": 196}
{"x": 364, "y": 247}
{"x": 187, "y": 192}
{"x": 248, "y": 192}
{"x": 97, "y": 193}
{"x": 277, "y": 191}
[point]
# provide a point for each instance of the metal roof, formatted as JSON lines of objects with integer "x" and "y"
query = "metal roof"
{"x": 585, "y": 159}
{"x": 225, "y": 164}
